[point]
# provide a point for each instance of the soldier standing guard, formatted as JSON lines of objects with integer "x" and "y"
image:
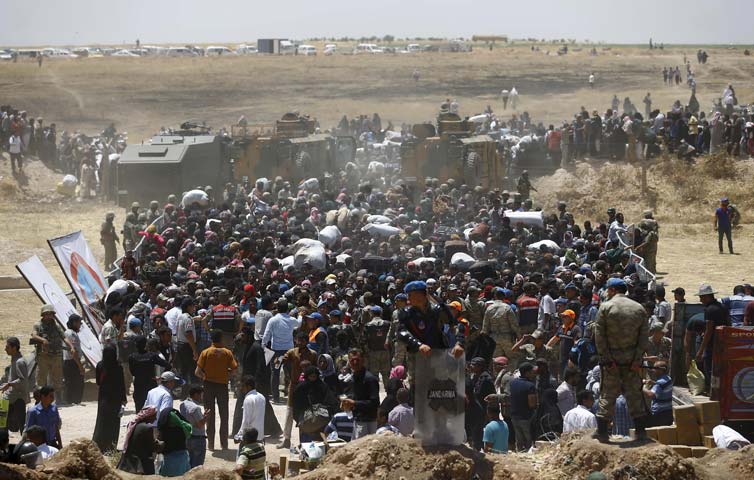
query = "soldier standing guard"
{"x": 422, "y": 324}
{"x": 109, "y": 239}
{"x": 501, "y": 324}
{"x": 622, "y": 337}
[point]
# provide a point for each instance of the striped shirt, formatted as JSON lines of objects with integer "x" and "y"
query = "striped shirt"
{"x": 342, "y": 424}
{"x": 663, "y": 390}
{"x": 252, "y": 458}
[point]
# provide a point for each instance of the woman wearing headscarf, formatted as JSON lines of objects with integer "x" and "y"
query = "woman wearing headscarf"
{"x": 311, "y": 392}
{"x": 142, "y": 364}
{"x": 548, "y": 419}
{"x": 110, "y": 398}
{"x": 328, "y": 374}
{"x": 139, "y": 445}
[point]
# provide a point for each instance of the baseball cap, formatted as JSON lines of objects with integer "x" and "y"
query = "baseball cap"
{"x": 679, "y": 291}
{"x": 335, "y": 313}
{"x": 478, "y": 361}
{"x": 316, "y": 316}
{"x": 168, "y": 376}
{"x": 401, "y": 296}
{"x": 569, "y": 313}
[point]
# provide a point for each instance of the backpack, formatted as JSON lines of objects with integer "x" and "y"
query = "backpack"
{"x": 582, "y": 352}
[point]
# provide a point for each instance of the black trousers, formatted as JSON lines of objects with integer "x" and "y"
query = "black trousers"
{"x": 74, "y": 382}
{"x": 141, "y": 389}
{"x": 215, "y": 392}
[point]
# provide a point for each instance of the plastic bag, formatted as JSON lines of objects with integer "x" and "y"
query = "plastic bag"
{"x": 195, "y": 196}
{"x": 330, "y": 236}
{"x": 695, "y": 378}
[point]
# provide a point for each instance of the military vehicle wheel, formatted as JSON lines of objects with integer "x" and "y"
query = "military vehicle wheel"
{"x": 472, "y": 161}
{"x": 303, "y": 161}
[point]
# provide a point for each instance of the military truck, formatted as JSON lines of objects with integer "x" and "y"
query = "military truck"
{"x": 173, "y": 162}
{"x": 176, "y": 161}
{"x": 451, "y": 150}
{"x": 290, "y": 148}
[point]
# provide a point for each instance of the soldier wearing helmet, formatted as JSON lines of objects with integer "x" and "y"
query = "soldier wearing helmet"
{"x": 154, "y": 211}
{"x": 109, "y": 239}
{"x": 129, "y": 231}
{"x": 135, "y": 208}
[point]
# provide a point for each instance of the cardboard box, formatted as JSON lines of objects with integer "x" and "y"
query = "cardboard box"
{"x": 708, "y": 413}
{"x": 685, "y": 415}
{"x": 682, "y": 450}
{"x": 706, "y": 429}
{"x": 652, "y": 433}
{"x": 699, "y": 452}
{"x": 688, "y": 434}
{"x": 709, "y": 441}
{"x": 667, "y": 435}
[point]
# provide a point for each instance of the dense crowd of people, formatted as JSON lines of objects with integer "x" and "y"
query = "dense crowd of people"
{"x": 321, "y": 295}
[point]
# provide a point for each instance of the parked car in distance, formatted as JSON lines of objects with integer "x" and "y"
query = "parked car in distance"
{"x": 307, "y": 50}
{"x": 330, "y": 49}
{"x": 247, "y": 50}
{"x": 218, "y": 51}
{"x": 367, "y": 48}
{"x": 58, "y": 53}
{"x": 181, "y": 52}
{"x": 123, "y": 53}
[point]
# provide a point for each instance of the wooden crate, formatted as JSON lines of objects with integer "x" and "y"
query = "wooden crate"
{"x": 667, "y": 435}
{"x": 709, "y": 441}
{"x": 708, "y": 413}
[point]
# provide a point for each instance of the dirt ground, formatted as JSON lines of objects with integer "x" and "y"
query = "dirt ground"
{"x": 141, "y": 95}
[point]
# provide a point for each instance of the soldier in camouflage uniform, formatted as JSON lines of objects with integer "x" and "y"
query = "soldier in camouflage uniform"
{"x": 109, "y": 239}
{"x": 130, "y": 231}
{"x": 474, "y": 308}
{"x": 650, "y": 238}
{"x": 501, "y": 323}
{"x": 399, "y": 348}
{"x": 622, "y": 337}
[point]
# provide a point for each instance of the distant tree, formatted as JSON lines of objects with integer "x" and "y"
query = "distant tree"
{"x": 388, "y": 39}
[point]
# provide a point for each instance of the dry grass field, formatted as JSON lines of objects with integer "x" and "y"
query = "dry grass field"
{"x": 140, "y": 95}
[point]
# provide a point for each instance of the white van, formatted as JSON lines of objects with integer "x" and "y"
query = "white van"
{"x": 306, "y": 50}
{"x": 287, "y": 47}
{"x": 180, "y": 52}
{"x": 367, "y": 48}
{"x": 218, "y": 51}
{"x": 58, "y": 53}
{"x": 246, "y": 50}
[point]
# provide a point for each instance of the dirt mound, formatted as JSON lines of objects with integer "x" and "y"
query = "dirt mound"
{"x": 577, "y": 456}
{"x": 391, "y": 457}
{"x": 725, "y": 464}
{"x": 678, "y": 191}
{"x": 81, "y": 459}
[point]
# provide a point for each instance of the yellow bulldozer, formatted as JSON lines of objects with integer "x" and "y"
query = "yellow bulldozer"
{"x": 451, "y": 150}
{"x": 289, "y": 148}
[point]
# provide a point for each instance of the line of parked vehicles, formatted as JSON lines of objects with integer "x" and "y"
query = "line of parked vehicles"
{"x": 286, "y": 47}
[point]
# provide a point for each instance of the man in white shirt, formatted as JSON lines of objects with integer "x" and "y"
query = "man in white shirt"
{"x": 37, "y": 435}
{"x": 514, "y": 97}
{"x": 616, "y": 227}
{"x": 547, "y": 308}
{"x": 186, "y": 352}
{"x": 581, "y": 417}
{"x": 171, "y": 316}
{"x": 161, "y": 396}
{"x": 567, "y": 390}
{"x": 253, "y": 409}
